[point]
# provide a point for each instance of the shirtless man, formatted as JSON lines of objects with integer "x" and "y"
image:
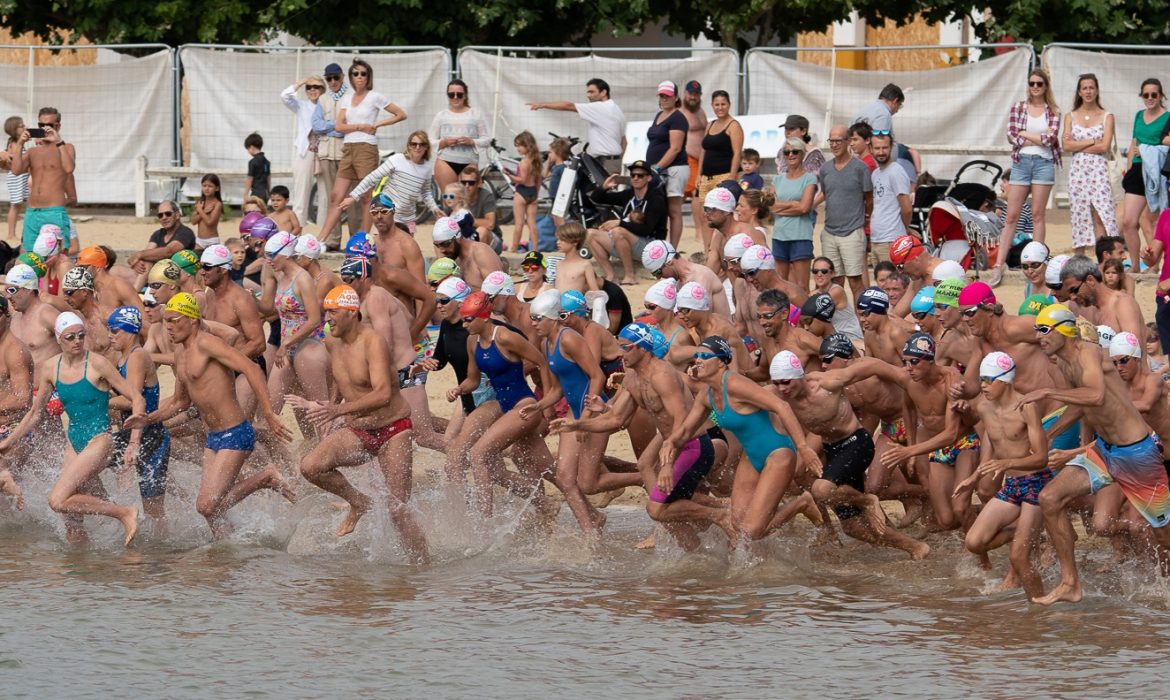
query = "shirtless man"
{"x": 885, "y": 336}
{"x": 652, "y": 385}
{"x": 820, "y": 404}
{"x": 79, "y": 292}
{"x": 1015, "y": 447}
{"x": 386, "y": 314}
{"x": 694, "y": 310}
{"x": 933, "y": 425}
{"x": 16, "y": 383}
{"x": 662, "y": 260}
{"x": 1124, "y": 451}
{"x": 376, "y": 421}
{"x": 909, "y": 255}
{"x": 772, "y": 309}
{"x": 476, "y": 260}
{"x": 205, "y": 368}
{"x": 743, "y": 294}
{"x": 1081, "y": 281}
{"x": 113, "y": 290}
{"x": 230, "y": 304}
{"x": 395, "y": 247}
{"x": 50, "y": 165}
{"x": 34, "y": 324}
{"x": 719, "y": 210}
{"x": 759, "y": 269}
{"x": 957, "y": 347}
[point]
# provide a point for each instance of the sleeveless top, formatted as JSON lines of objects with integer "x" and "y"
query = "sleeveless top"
{"x": 753, "y": 430}
{"x": 87, "y": 407}
{"x": 506, "y": 376}
{"x": 292, "y": 312}
{"x": 717, "y": 153}
{"x": 574, "y": 382}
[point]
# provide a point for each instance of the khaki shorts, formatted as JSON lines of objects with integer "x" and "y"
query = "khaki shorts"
{"x": 879, "y": 252}
{"x": 357, "y": 161}
{"x": 846, "y": 252}
{"x": 708, "y": 183}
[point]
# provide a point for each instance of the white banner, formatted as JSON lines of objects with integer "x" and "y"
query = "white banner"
{"x": 504, "y": 85}
{"x": 111, "y": 112}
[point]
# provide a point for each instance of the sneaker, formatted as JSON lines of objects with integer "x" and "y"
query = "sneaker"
{"x": 523, "y": 248}
{"x": 995, "y": 276}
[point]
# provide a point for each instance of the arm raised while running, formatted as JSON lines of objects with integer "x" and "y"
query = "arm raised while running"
{"x": 237, "y": 362}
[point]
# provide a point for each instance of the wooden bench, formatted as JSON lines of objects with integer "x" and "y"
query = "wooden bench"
{"x": 146, "y": 173}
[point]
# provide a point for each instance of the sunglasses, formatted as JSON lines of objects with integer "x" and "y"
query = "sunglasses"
{"x": 1032, "y": 266}
{"x": 71, "y": 292}
{"x": 767, "y": 316}
{"x": 828, "y": 359}
{"x": 969, "y": 313}
{"x": 1073, "y": 291}
{"x": 348, "y": 278}
{"x": 1045, "y": 330}
{"x": 314, "y": 87}
{"x": 748, "y": 274}
{"x": 649, "y": 307}
{"x": 883, "y": 132}
{"x": 209, "y": 266}
{"x": 442, "y": 300}
{"x": 701, "y": 356}
{"x": 1121, "y": 361}
{"x": 821, "y": 271}
{"x": 730, "y": 261}
{"x": 791, "y": 153}
{"x": 358, "y": 74}
{"x": 332, "y": 78}
{"x": 165, "y": 214}
{"x": 449, "y": 196}
{"x": 1036, "y": 83}
{"x": 708, "y": 210}
{"x": 417, "y": 144}
{"x": 469, "y": 183}
{"x": 863, "y": 314}
{"x": 919, "y": 315}
{"x": 530, "y": 267}
{"x": 639, "y": 175}
{"x": 1145, "y": 95}
{"x": 70, "y": 337}
{"x": 684, "y": 312}
{"x": 455, "y": 95}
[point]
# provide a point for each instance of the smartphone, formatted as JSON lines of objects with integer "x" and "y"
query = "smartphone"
{"x": 36, "y": 133}
{"x": 623, "y": 180}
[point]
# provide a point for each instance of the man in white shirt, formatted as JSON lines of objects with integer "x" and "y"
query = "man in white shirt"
{"x": 607, "y": 124}
{"x": 891, "y": 198}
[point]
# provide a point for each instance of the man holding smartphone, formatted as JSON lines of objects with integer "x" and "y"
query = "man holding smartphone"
{"x": 50, "y": 165}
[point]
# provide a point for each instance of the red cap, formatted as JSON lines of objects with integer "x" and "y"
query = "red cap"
{"x": 905, "y": 248}
{"x": 477, "y": 305}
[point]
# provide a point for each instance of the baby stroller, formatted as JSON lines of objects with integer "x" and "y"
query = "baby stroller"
{"x": 961, "y": 224}
{"x": 583, "y": 174}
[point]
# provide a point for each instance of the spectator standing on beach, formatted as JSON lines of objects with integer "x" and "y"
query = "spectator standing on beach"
{"x": 329, "y": 144}
{"x": 606, "y": 134}
{"x": 692, "y": 109}
{"x": 304, "y": 140}
{"x": 459, "y": 133}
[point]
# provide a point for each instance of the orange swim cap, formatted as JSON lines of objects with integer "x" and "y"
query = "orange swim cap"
{"x": 477, "y": 305}
{"x": 92, "y": 255}
{"x": 342, "y": 296}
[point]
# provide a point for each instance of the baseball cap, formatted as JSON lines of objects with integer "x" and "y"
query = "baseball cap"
{"x": 873, "y": 300}
{"x": 905, "y": 247}
{"x": 1125, "y": 344}
{"x": 639, "y": 165}
{"x": 998, "y": 367}
{"x": 656, "y": 254}
{"x": 333, "y": 69}
{"x": 21, "y": 276}
{"x": 663, "y": 293}
{"x": 342, "y": 296}
{"x": 693, "y": 86}
{"x": 785, "y": 365}
{"x": 757, "y": 258}
{"x": 819, "y": 306}
{"x": 693, "y": 296}
{"x": 919, "y": 345}
{"x": 947, "y": 292}
{"x": 1034, "y": 252}
{"x": 217, "y": 255}
{"x": 719, "y": 198}
{"x": 443, "y": 267}
{"x": 737, "y": 245}
{"x": 666, "y": 87}
{"x": 534, "y": 257}
{"x": 923, "y": 300}
{"x": 795, "y": 121}
{"x": 1034, "y": 305}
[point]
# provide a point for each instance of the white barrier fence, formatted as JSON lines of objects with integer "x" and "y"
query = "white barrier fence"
{"x": 503, "y": 80}
{"x": 113, "y": 110}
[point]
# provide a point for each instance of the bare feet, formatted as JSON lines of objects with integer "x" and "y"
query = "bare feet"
{"x": 915, "y": 509}
{"x": 874, "y": 516}
{"x": 919, "y": 551}
{"x": 601, "y": 500}
{"x": 985, "y": 562}
{"x": 649, "y": 543}
{"x": 130, "y": 524}
{"x": 810, "y": 509}
{"x": 727, "y": 524}
{"x": 352, "y": 517}
{"x": 628, "y": 281}
{"x": 1010, "y": 582}
{"x": 9, "y": 486}
{"x": 1063, "y": 592}
{"x": 275, "y": 481}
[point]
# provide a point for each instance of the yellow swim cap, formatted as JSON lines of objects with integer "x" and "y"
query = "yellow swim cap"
{"x": 1059, "y": 318}
{"x": 184, "y": 303}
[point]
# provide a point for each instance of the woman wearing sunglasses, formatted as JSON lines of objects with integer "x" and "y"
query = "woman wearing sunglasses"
{"x": 769, "y": 459}
{"x": 792, "y": 234}
{"x": 406, "y": 179}
{"x": 1150, "y": 127}
{"x": 535, "y": 276}
{"x": 458, "y": 132}
{"x": 499, "y": 353}
{"x": 844, "y": 317}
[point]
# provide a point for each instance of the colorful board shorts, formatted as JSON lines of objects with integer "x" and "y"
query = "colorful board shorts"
{"x": 423, "y": 350}
{"x": 1139, "y": 471}
{"x": 950, "y": 455}
{"x": 694, "y": 460}
{"x": 8, "y": 429}
{"x": 1018, "y": 490}
{"x": 1070, "y": 439}
{"x": 373, "y": 440}
{"x": 36, "y": 217}
{"x": 895, "y": 432}
{"x": 241, "y": 438}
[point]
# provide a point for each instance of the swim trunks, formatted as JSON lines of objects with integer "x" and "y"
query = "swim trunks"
{"x": 36, "y": 217}
{"x": 716, "y": 433}
{"x": 1070, "y": 439}
{"x": 949, "y": 455}
{"x": 8, "y": 429}
{"x": 895, "y": 432}
{"x": 373, "y": 440}
{"x": 1137, "y": 468}
{"x": 694, "y": 460}
{"x": 424, "y": 350}
{"x": 1025, "y": 488}
{"x": 241, "y": 438}
{"x": 845, "y": 464}
{"x": 154, "y": 456}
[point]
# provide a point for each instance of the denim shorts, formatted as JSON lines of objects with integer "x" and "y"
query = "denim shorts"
{"x": 1033, "y": 170}
{"x": 792, "y": 251}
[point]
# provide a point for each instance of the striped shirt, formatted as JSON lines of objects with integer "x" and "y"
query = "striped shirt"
{"x": 407, "y": 183}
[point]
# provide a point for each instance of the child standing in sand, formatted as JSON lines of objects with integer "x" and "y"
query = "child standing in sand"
{"x": 17, "y": 184}
{"x": 285, "y": 218}
{"x": 527, "y": 182}
{"x": 206, "y": 213}
{"x": 574, "y": 272}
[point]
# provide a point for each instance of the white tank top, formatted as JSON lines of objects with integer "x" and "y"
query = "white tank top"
{"x": 1037, "y": 125}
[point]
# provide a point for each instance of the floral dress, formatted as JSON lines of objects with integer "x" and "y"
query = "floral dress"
{"x": 1089, "y": 189}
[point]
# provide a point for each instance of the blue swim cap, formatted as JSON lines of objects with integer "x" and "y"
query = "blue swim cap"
{"x": 125, "y": 318}
{"x": 923, "y": 300}
{"x": 640, "y": 335}
{"x": 381, "y": 201}
{"x": 573, "y": 302}
{"x": 661, "y": 344}
{"x": 360, "y": 245}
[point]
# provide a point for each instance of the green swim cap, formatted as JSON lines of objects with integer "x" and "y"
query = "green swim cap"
{"x": 1034, "y": 304}
{"x": 947, "y": 291}
{"x": 441, "y": 268}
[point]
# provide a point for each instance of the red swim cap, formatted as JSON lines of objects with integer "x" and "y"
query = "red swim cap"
{"x": 477, "y": 305}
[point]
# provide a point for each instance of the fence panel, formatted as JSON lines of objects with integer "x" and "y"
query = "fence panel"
{"x": 114, "y": 108}
{"x": 962, "y": 108}
{"x": 231, "y": 91}
{"x": 503, "y": 80}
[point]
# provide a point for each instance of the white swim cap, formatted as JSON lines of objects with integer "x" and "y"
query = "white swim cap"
{"x": 1034, "y": 252}
{"x": 453, "y": 288}
{"x": 1105, "y": 335}
{"x": 47, "y": 244}
{"x": 948, "y": 269}
{"x": 445, "y": 229}
{"x": 663, "y": 293}
{"x": 1125, "y": 344}
{"x": 693, "y": 296}
{"x": 65, "y": 320}
{"x": 1055, "y": 267}
{"x": 737, "y": 245}
{"x": 218, "y": 255}
{"x": 757, "y": 258}
{"x": 998, "y": 366}
{"x": 546, "y": 304}
{"x": 307, "y": 247}
{"x": 21, "y": 276}
{"x": 497, "y": 283}
{"x": 280, "y": 243}
{"x": 720, "y": 198}
{"x": 785, "y": 365}
{"x": 656, "y": 254}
